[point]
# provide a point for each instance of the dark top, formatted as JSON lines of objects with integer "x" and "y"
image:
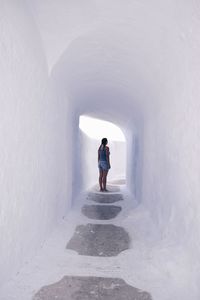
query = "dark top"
{"x": 102, "y": 153}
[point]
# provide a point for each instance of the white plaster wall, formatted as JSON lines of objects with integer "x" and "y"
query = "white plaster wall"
{"x": 71, "y": 19}
{"x": 171, "y": 190}
{"x": 32, "y": 180}
{"x": 134, "y": 163}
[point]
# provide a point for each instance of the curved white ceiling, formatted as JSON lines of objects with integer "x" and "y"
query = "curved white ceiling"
{"x": 135, "y": 48}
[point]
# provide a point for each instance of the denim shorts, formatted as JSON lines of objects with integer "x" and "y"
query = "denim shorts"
{"x": 103, "y": 165}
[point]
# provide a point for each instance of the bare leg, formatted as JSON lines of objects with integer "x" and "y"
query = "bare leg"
{"x": 104, "y": 179}
{"x": 100, "y": 179}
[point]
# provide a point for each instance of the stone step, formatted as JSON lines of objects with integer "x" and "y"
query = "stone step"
{"x": 104, "y": 197}
{"x": 91, "y": 288}
{"x": 99, "y": 240}
{"x": 101, "y": 212}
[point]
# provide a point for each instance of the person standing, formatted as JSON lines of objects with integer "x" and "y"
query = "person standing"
{"x": 103, "y": 164}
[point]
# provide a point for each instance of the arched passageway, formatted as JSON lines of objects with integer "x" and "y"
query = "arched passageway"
{"x": 91, "y": 132}
{"x": 135, "y": 64}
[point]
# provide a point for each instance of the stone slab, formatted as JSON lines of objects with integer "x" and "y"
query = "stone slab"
{"x": 110, "y": 188}
{"x": 99, "y": 240}
{"x": 104, "y": 197}
{"x": 101, "y": 212}
{"x": 91, "y": 288}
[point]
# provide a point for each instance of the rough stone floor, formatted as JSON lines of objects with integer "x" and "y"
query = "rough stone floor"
{"x": 99, "y": 240}
{"x": 95, "y": 253}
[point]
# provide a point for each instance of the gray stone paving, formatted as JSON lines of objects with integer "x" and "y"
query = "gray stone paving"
{"x": 91, "y": 288}
{"x": 99, "y": 240}
{"x": 110, "y": 187}
{"x": 101, "y": 212}
{"x": 96, "y": 240}
{"x": 104, "y": 197}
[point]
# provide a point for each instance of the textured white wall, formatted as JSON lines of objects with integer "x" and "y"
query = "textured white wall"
{"x": 32, "y": 180}
{"x": 171, "y": 134}
{"x": 172, "y": 167}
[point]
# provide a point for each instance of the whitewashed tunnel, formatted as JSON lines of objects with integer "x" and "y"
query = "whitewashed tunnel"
{"x": 133, "y": 63}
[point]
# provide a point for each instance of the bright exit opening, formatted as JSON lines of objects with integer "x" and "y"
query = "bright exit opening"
{"x": 96, "y": 129}
{"x": 92, "y": 130}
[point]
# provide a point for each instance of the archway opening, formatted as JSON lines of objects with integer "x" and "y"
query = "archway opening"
{"x": 92, "y": 130}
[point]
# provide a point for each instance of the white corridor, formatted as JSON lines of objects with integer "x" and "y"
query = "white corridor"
{"x": 135, "y": 64}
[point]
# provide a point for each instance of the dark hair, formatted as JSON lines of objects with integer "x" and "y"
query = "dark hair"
{"x": 104, "y": 141}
